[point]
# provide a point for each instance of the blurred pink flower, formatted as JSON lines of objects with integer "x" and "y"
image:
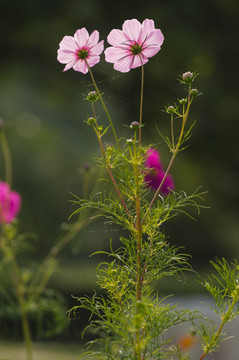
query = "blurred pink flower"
{"x": 133, "y": 45}
{"x": 76, "y": 51}
{"x": 155, "y": 173}
{"x": 10, "y": 203}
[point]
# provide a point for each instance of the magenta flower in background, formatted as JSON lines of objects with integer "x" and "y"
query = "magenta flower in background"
{"x": 155, "y": 173}
{"x": 78, "y": 51}
{"x": 133, "y": 45}
{"x": 10, "y": 203}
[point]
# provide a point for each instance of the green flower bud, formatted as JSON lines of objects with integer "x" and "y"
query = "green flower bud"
{"x": 91, "y": 121}
{"x": 170, "y": 109}
{"x": 182, "y": 101}
{"x": 194, "y": 92}
{"x": 134, "y": 125}
{"x": 130, "y": 142}
{"x": 92, "y": 96}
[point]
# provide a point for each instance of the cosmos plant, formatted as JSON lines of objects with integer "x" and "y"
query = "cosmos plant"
{"x": 134, "y": 319}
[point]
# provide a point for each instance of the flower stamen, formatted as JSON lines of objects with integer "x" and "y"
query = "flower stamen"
{"x": 82, "y": 54}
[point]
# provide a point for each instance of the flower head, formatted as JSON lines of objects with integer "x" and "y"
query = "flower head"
{"x": 10, "y": 203}
{"x": 133, "y": 45}
{"x": 81, "y": 51}
{"x": 155, "y": 173}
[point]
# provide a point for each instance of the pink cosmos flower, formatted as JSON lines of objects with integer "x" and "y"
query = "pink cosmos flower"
{"x": 80, "y": 51}
{"x": 155, "y": 173}
{"x": 10, "y": 203}
{"x": 133, "y": 45}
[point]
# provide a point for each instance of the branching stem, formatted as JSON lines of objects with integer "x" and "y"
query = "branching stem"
{"x": 225, "y": 318}
{"x": 107, "y": 164}
{"x": 175, "y": 151}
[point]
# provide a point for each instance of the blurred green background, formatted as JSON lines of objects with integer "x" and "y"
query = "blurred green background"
{"x": 50, "y": 143}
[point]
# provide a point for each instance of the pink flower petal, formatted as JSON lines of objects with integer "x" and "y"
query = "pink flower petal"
{"x": 124, "y": 64}
{"x": 153, "y": 159}
{"x": 168, "y": 183}
{"x": 97, "y": 49}
{"x": 10, "y": 203}
{"x": 14, "y": 206}
{"x": 113, "y": 54}
{"x": 155, "y": 174}
{"x": 146, "y": 29}
{"x": 4, "y": 190}
{"x": 68, "y": 43}
{"x": 116, "y": 38}
{"x": 150, "y": 51}
{"x": 147, "y": 26}
{"x": 81, "y": 66}
{"x": 136, "y": 62}
{"x": 93, "y": 39}
{"x": 155, "y": 38}
{"x": 70, "y": 64}
{"x": 93, "y": 60}
{"x": 81, "y": 37}
{"x": 131, "y": 29}
{"x": 64, "y": 57}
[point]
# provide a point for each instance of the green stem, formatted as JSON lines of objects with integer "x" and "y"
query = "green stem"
{"x": 138, "y": 230}
{"x": 7, "y": 158}
{"x": 104, "y": 106}
{"x": 223, "y": 322}
{"x": 172, "y": 131}
{"x": 45, "y": 271}
{"x": 22, "y": 304}
{"x": 107, "y": 164}
{"x": 141, "y": 101}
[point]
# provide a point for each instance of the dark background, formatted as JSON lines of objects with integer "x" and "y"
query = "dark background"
{"x": 50, "y": 142}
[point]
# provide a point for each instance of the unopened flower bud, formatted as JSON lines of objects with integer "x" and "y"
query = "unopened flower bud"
{"x": 182, "y": 101}
{"x": 194, "y": 92}
{"x": 91, "y": 121}
{"x": 170, "y": 109}
{"x": 187, "y": 77}
{"x": 92, "y": 96}
{"x": 129, "y": 142}
{"x": 134, "y": 125}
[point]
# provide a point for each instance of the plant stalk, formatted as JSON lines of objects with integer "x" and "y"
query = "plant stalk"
{"x": 104, "y": 106}
{"x": 138, "y": 230}
{"x": 107, "y": 165}
{"x": 22, "y": 304}
{"x": 7, "y": 159}
{"x": 223, "y": 322}
{"x": 175, "y": 152}
{"x": 141, "y": 101}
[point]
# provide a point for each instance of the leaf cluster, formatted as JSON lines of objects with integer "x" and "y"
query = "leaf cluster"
{"x": 21, "y": 288}
{"x": 224, "y": 288}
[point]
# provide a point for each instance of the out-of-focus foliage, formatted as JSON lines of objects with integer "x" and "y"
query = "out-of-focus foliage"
{"x": 46, "y": 111}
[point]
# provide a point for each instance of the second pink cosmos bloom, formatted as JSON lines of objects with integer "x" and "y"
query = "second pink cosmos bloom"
{"x": 81, "y": 51}
{"x": 155, "y": 173}
{"x": 10, "y": 203}
{"x": 133, "y": 45}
